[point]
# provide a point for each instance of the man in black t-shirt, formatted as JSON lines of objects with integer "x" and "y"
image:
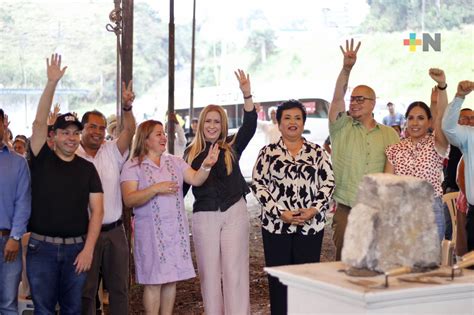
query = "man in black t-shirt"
{"x": 64, "y": 186}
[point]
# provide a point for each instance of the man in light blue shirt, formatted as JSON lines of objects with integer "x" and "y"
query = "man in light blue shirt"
{"x": 463, "y": 138}
{"x": 15, "y": 209}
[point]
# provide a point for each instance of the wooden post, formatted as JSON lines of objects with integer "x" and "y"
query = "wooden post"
{"x": 127, "y": 75}
{"x": 171, "y": 78}
{"x": 191, "y": 90}
{"x": 127, "y": 41}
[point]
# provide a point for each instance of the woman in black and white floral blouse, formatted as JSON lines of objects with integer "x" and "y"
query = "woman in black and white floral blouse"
{"x": 293, "y": 181}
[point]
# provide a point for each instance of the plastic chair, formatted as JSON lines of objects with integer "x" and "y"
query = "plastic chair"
{"x": 450, "y": 200}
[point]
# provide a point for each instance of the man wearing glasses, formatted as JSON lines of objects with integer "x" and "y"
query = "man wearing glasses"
{"x": 358, "y": 142}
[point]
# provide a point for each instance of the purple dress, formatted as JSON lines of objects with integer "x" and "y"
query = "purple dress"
{"x": 161, "y": 242}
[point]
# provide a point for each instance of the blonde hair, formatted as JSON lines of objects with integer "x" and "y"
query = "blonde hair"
{"x": 198, "y": 144}
{"x": 139, "y": 149}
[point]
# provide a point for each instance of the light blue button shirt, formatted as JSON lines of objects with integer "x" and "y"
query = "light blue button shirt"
{"x": 15, "y": 192}
{"x": 463, "y": 138}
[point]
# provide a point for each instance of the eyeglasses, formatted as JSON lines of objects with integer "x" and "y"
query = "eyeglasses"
{"x": 360, "y": 99}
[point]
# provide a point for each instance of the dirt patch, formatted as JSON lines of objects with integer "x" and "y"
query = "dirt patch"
{"x": 188, "y": 295}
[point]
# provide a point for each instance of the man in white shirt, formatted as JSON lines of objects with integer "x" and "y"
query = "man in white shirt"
{"x": 111, "y": 250}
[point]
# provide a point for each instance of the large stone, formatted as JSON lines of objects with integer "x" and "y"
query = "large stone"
{"x": 392, "y": 225}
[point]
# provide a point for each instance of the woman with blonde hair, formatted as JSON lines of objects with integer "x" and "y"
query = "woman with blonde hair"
{"x": 151, "y": 184}
{"x": 220, "y": 217}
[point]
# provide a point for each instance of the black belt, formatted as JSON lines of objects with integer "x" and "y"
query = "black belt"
{"x": 110, "y": 226}
{"x": 5, "y": 232}
{"x": 58, "y": 240}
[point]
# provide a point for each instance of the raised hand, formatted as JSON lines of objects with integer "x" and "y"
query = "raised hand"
{"x": 350, "y": 54}
{"x": 56, "y": 109}
{"x": 52, "y": 116}
{"x": 464, "y": 88}
{"x": 212, "y": 156}
{"x": 172, "y": 118}
{"x": 6, "y": 133}
{"x": 53, "y": 69}
{"x": 439, "y": 76}
{"x": 127, "y": 94}
{"x": 244, "y": 82}
{"x": 6, "y": 122}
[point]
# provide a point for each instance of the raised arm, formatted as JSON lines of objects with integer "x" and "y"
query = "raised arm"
{"x": 126, "y": 134}
{"x": 6, "y": 133}
{"x": 350, "y": 56}
{"x": 40, "y": 126}
{"x": 438, "y": 108}
{"x": 181, "y": 137}
{"x": 244, "y": 84}
{"x": 455, "y": 133}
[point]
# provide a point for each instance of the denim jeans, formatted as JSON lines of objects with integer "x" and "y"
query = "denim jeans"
{"x": 10, "y": 274}
{"x": 439, "y": 217}
{"x": 53, "y": 278}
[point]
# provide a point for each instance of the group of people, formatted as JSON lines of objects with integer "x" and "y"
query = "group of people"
{"x": 70, "y": 197}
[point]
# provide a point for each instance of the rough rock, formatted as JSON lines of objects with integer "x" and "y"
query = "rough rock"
{"x": 392, "y": 225}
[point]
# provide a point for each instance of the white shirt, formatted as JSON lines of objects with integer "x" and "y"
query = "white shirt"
{"x": 179, "y": 141}
{"x": 108, "y": 161}
{"x": 271, "y": 131}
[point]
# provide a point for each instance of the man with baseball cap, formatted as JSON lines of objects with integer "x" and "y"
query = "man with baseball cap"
{"x": 64, "y": 186}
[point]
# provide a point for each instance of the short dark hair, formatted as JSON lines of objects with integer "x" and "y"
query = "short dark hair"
{"x": 422, "y": 105}
{"x": 289, "y": 105}
{"x": 389, "y": 104}
{"x": 465, "y": 110}
{"x": 2, "y": 114}
{"x": 85, "y": 117}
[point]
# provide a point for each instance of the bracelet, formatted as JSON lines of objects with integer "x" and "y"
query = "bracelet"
{"x": 205, "y": 169}
{"x": 247, "y": 97}
{"x": 127, "y": 109}
{"x": 442, "y": 89}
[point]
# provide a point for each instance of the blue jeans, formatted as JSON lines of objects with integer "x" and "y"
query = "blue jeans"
{"x": 10, "y": 274}
{"x": 439, "y": 217}
{"x": 53, "y": 278}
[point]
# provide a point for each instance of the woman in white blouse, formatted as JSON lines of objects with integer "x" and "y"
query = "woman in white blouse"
{"x": 293, "y": 181}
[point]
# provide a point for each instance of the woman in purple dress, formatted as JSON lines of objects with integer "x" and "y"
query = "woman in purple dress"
{"x": 151, "y": 184}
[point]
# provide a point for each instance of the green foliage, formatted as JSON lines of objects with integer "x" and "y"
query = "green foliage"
{"x": 396, "y": 16}
{"x": 262, "y": 44}
{"x": 31, "y": 31}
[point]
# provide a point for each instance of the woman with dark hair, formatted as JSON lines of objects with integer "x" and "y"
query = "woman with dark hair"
{"x": 422, "y": 152}
{"x": 151, "y": 184}
{"x": 220, "y": 216}
{"x": 294, "y": 182}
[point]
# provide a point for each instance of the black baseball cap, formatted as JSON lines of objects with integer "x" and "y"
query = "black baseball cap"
{"x": 65, "y": 120}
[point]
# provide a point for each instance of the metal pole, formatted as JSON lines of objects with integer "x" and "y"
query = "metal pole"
{"x": 193, "y": 43}
{"x": 171, "y": 78}
{"x": 116, "y": 17}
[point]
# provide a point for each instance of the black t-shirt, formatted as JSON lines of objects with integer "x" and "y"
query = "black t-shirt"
{"x": 60, "y": 194}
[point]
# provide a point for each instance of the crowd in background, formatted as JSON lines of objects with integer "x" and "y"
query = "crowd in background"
{"x": 63, "y": 190}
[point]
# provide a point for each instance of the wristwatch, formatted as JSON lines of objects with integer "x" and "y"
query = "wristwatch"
{"x": 16, "y": 238}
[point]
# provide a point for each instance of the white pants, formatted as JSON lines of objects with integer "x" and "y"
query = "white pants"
{"x": 221, "y": 243}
